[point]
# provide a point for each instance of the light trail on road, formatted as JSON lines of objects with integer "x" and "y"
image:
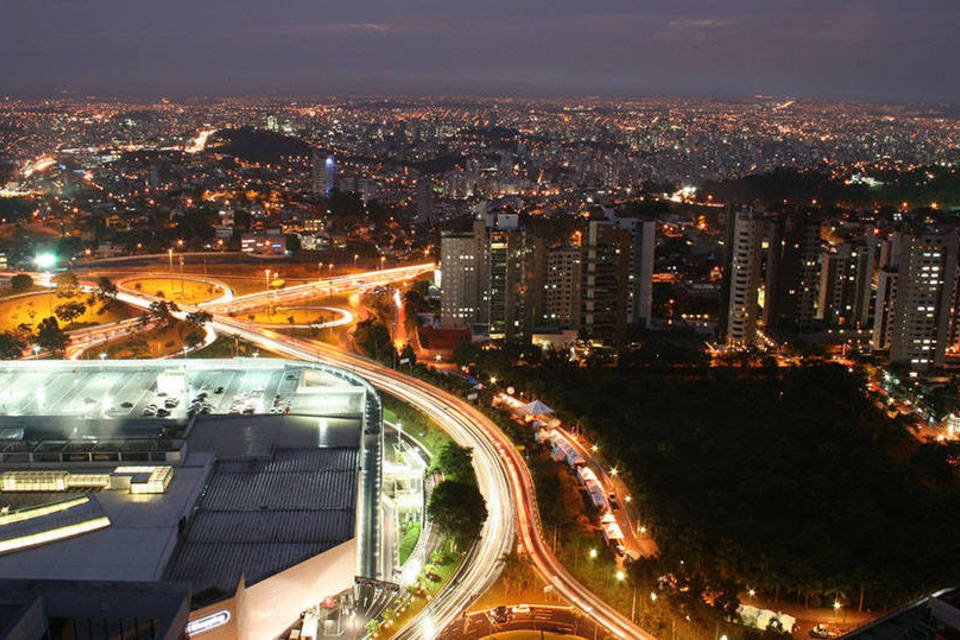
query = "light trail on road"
{"x": 329, "y": 286}
{"x": 502, "y": 478}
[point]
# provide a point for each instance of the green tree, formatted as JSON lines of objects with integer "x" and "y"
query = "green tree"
{"x": 161, "y": 312}
{"x": 193, "y": 337}
{"x": 69, "y": 311}
{"x": 67, "y": 284}
{"x": 197, "y": 318}
{"x": 515, "y": 571}
{"x": 11, "y": 346}
{"x": 21, "y": 282}
{"x": 106, "y": 291}
{"x": 408, "y": 354}
{"x": 374, "y": 338}
{"x": 50, "y": 336}
{"x": 466, "y": 353}
{"x": 455, "y": 462}
{"x": 457, "y": 510}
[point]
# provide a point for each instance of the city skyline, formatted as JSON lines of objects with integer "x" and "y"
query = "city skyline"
{"x": 861, "y": 50}
{"x": 423, "y": 320}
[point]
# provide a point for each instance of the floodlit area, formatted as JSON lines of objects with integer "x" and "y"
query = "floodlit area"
{"x": 172, "y": 390}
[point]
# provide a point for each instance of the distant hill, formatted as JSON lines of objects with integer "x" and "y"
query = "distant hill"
{"x": 257, "y": 145}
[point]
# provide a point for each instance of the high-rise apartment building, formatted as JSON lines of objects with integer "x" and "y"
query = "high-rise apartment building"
{"x": 561, "y": 288}
{"x": 330, "y": 175}
{"x": 922, "y": 309}
{"x": 317, "y": 185}
{"x": 463, "y": 267}
{"x": 605, "y": 282}
{"x": 888, "y": 273}
{"x": 745, "y": 237}
{"x": 846, "y": 281}
{"x": 507, "y": 253}
{"x": 792, "y": 272}
{"x": 643, "y": 238}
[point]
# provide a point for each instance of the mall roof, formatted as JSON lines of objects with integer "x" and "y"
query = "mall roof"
{"x": 259, "y": 517}
{"x": 931, "y": 618}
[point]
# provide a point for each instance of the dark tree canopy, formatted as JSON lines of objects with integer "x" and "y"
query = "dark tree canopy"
{"x": 161, "y": 312}
{"x": 455, "y": 462}
{"x": 67, "y": 284}
{"x": 457, "y": 509}
{"x": 776, "y": 478}
{"x": 374, "y": 338}
{"x": 11, "y": 346}
{"x": 69, "y": 311}
{"x": 50, "y": 336}
{"x": 21, "y": 282}
{"x": 106, "y": 289}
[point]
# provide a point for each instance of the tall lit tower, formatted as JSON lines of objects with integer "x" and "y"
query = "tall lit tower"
{"x": 330, "y": 169}
{"x": 921, "y": 311}
{"x": 743, "y": 264}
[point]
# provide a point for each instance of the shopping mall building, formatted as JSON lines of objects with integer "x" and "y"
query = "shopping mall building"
{"x": 231, "y": 495}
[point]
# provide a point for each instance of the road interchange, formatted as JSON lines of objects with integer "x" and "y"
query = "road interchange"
{"x": 502, "y": 475}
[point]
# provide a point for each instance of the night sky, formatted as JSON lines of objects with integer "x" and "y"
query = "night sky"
{"x": 896, "y": 50}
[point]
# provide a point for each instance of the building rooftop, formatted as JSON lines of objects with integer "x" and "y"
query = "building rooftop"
{"x": 935, "y": 617}
{"x": 135, "y": 546}
{"x": 258, "y": 517}
{"x": 31, "y": 607}
{"x": 267, "y": 477}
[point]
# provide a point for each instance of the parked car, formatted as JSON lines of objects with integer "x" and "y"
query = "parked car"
{"x": 500, "y": 615}
{"x": 825, "y": 631}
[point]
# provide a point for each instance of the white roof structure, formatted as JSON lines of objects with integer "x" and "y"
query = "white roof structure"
{"x": 536, "y": 408}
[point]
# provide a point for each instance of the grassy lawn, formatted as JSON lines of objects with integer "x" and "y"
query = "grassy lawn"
{"x": 30, "y": 310}
{"x": 410, "y": 606}
{"x": 181, "y": 291}
{"x": 298, "y": 314}
{"x": 411, "y": 533}
{"x": 9, "y": 291}
{"x": 415, "y": 423}
{"x": 149, "y": 344}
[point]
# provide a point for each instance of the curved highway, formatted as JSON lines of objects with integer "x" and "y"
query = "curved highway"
{"x": 502, "y": 476}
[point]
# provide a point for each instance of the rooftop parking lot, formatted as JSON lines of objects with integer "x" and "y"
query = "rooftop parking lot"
{"x": 100, "y": 400}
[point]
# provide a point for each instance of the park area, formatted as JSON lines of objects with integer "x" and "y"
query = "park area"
{"x": 176, "y": 289}
{"x": 25, "y": 312}
{"x": 153, "y": 343}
